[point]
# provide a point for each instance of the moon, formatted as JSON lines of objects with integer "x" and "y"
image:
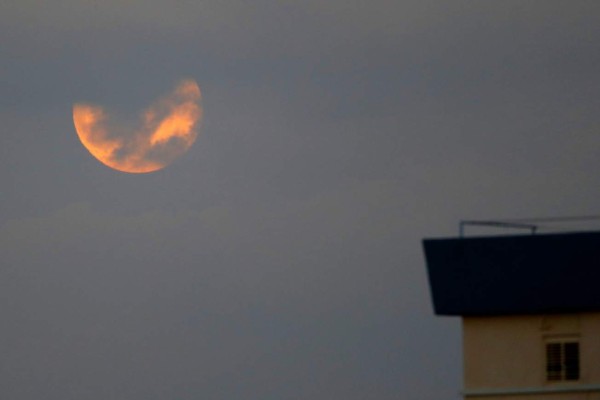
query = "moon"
{"x": 164, "y": 131}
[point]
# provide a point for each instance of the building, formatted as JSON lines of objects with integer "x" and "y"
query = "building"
{"x": 530, "y": 309}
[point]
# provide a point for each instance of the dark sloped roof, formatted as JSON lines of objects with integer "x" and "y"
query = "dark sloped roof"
{"x": 507, "y": 275}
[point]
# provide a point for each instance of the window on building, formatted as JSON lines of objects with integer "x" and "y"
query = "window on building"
{"x": 562, "y": 360}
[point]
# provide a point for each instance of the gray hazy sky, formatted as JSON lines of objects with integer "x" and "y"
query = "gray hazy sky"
{"x": 280, "y": 257}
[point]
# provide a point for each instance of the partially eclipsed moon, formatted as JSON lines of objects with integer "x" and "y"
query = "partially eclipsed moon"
{"x": 166, "y": 130}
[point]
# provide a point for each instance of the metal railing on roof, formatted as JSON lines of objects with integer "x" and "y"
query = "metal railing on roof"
{"x": 531, "y": 224}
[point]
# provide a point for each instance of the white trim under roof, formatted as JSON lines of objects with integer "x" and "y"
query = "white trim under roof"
{"x": 531, "y": 390}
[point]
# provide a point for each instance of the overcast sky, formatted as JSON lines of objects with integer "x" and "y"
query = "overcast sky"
{"x": 280, "y": 257}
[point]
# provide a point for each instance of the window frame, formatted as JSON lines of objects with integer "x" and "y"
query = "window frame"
{"x": 566, "y": 367}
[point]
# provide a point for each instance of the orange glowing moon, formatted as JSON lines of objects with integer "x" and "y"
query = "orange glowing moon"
{"x": 165, "y": 131}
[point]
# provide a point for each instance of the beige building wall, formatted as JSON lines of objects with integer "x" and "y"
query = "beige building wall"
{"x": 505, "y": 357}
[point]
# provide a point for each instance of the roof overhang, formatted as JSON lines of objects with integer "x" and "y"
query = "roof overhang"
{"x": 508, "y": 275}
